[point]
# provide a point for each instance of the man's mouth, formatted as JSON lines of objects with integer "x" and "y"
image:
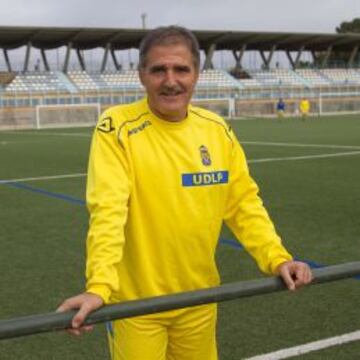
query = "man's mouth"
{"x": 172, "y": 93}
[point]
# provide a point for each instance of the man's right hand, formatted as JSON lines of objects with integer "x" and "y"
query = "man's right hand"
{"x": 86, "y": 303}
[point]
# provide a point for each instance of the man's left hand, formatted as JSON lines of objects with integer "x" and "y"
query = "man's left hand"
{"x": 295, "y": 274}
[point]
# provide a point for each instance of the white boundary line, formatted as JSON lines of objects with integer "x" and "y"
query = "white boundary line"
{"x": 40, "y": 132}
{"x": 305, "y": 157}
{"x": 309, "y": 347}
{"x": 325, "y": 146}
{"x": 261, "y": 143}
{"x": 308, "y": 157}
{"x": 54, "y": 177}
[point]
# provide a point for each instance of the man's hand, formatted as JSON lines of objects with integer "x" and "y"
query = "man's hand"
{"x": 295, "y": 274}
{"x": 86, "y": 303}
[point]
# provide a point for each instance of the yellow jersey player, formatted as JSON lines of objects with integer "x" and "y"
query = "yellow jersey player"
{"x": 304, "y": 108}
{"x": 163, "y": 176}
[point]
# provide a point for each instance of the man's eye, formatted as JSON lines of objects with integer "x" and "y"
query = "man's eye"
{"x": 157, "y": 70}
{"x": 183, "y": 69}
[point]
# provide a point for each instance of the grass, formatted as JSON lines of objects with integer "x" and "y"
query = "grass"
{"x": 314, "y": 203}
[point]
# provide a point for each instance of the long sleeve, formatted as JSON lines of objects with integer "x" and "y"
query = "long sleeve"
{"x": 108, "y": 191}
{"x": 248, "y": 219}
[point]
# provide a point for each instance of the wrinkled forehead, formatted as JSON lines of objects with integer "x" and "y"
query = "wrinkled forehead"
{"x": 170, "y": 46}
{"x": 170, "y": 55}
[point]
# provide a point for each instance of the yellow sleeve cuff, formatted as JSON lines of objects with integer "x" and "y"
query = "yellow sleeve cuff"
{"x": 277, "y": 262}
{"x": 101, "y": 290}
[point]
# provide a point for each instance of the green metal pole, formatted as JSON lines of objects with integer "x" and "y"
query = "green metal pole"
{"x": 36, "y": 324}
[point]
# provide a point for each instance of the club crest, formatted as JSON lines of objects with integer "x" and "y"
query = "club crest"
{"x": 205, "y": 156}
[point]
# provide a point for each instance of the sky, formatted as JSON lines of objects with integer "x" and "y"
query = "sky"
{"x": 259, "y": 15}
{"x": 321, "y": 16}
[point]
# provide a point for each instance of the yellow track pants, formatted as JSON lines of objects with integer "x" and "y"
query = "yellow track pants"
{"x": 185, "y": 334}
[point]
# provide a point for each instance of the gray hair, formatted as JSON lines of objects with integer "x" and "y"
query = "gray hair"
{"x": 169, "y": 35}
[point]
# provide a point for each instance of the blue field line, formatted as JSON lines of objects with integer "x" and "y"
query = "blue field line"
{"x": 229, "y": 242}
{"x": 46, "y": 193}
{"x": 315, "y": 265}
{"x": 235, "y": 244}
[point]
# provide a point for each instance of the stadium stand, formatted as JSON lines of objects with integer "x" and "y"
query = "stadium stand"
{"x": 123, "y": 79}
{"x": 313, "y": 77}
{"x": 342, "y": 76}
{"x": 289, "y": 77}
{"x": 129, "y": 79}
{"x": 217, "y": 78}
{"x": 278, "y": 77}
{"x": 36, "y": 82}
{"x": 250, "y": 83}
{"x": 241, "y": 90}
{"x": 83, "y": 81}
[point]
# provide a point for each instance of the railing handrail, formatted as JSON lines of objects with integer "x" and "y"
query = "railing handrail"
{"x": 36, "y": 324}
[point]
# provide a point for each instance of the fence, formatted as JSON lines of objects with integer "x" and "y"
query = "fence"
{"x": 18, "y": 110}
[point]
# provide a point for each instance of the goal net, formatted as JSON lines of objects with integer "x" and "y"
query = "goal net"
{"x": 338, "y": 103}
{"x": 67, "y": 115}
{"x": 222, "y": 106}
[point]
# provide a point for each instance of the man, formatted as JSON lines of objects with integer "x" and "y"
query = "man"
{"x": 304, "y": 108}
{"x": 280, "y": 108}
{"x": 163, "y": 176}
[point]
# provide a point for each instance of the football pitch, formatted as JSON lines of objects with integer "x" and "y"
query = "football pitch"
{"x": 309, "y": 176}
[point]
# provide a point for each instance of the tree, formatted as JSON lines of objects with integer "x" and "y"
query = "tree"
{"x": 349, "y": 26}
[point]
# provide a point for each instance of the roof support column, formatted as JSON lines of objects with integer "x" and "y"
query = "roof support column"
{"x": 292, "y": 62}
{"x": 44, "y": 59}
{"x": 67, "y": 57}
{"x": 209, "y": 55}
{"x": 105, "y": 57}
{"x": 315, "y": 57}
{"x": 115, "y": 61}
{"x": 353, "y": 56}
{"x": 269, "y": 58}
{"x": 27, "y": 57}
{"x": 325, "y": 61}
{"x": 298, "y": 56}
{"x": 295, "y": 63}
{"x": 7, "y": 60}
{"x": 238, "y": 55}
{"x": 81, "y": 59}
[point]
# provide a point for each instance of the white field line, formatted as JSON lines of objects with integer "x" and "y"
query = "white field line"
{"x": 54, "y": 177}
{"x": 47, "y": 133}
{"x": 243, "y": 118}
{"x": 261, "y": 143}
{"x": 309, "y": 347}
{"x": 11, "y": 142}
{"x": 305, "y": 157}
{"x": 324, "y": 146}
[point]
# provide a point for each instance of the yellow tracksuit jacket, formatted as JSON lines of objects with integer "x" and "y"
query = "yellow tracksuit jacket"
{"x": 158, "y": 193}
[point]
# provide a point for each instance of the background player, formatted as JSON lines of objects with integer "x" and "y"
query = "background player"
{"x": 304, "y": 108}
{"x": 280, "y": 108}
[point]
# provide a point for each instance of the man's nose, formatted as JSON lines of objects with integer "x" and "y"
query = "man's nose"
{"x": 170, "y": 78}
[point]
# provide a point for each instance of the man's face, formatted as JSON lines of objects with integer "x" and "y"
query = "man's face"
{"x": 169, "y": 77}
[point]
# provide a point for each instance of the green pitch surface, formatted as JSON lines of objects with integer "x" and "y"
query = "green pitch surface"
{"x": 309, "y": 175}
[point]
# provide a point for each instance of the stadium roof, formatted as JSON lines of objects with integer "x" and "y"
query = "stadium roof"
{"x": 89, "y": 38}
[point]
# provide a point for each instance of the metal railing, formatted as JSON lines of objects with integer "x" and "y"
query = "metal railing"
{"x": 36, "y": 324}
